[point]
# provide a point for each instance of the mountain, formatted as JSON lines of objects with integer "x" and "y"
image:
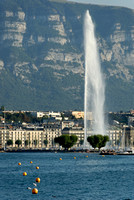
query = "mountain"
{"x": 42, "y": 54}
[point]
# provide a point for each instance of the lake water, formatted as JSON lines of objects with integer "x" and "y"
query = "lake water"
{"x": 84, "y": 178}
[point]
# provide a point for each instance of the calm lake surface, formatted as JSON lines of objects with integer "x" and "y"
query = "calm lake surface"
{"x": 84, "y": 178}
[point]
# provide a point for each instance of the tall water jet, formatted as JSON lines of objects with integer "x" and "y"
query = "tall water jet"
{"x": 94, "y": 85}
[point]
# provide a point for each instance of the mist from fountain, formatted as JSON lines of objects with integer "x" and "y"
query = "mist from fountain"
{"x": 94, "y": 94}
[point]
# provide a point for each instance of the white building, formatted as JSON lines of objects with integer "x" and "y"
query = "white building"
{"x": 31, "y": 137}
{"x": 115, "y": 137}
{"x": 49, "y": 114}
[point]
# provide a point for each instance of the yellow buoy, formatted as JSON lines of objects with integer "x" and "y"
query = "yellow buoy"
{"x": 31, "y": 162}
{"x": 60, "y": 158}
{"x": 38, "y": 180}
{"x": 86, "y": 156}
{"x": 37, "y": 167}
{"x": 19, "y": 163}
{"x": 74, "y": 157}
{"x": 24, "y": 174}
{"x": 103, "y": 156}
{"x": 34, "y": 191}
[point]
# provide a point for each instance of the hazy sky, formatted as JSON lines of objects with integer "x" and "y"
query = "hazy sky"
{"x": 124, "y": 3}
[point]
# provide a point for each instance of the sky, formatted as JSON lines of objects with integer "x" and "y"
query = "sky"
{"x": 123, "y": 3}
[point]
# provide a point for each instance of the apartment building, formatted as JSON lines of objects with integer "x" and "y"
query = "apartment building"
{"x": 32, "y": 137}
{"x": 115, "y": 136}
{"x": 52, "y": 129}
{"x": 128, "y": 137}
{"x": 28, "y": 138}
{"x": 43, "y": 137}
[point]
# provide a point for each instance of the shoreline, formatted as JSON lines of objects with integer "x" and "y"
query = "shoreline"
{"x": 46, "y": 151}
{"x": 65, "y": 151}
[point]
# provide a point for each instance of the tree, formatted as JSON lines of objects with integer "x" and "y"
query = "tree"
{"x": 66, "y": 141}
{"x": 98, "y": 140}
{"x": 93, "y": 140}
{"x": 45, "y": 142}
{"x": 26, "y": 143}
{"x": 62, "y": 115}
{"x": 18, "y": 142}
{"x": 2, "y": 108}
{"x": 9, "y": 142}
{"x": 35, "y": 142}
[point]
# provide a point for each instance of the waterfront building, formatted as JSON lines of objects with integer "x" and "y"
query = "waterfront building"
{"x": 115, "y": 136}
{"x": 128, "y": 137}
{"x": 38, "y": 137}
{"x": 52, "y": 129}
{"x": 122, "y": 138}
{"x": 32, "y": 137}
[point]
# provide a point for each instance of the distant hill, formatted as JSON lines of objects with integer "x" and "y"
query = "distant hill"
{"x": 42, "y": 54}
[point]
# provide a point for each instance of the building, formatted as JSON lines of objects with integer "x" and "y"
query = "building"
{"x": 132, "y": 112}
{"x": 31, "y": 136}
{"x": 52, "y": 129}
{"x": 48, "y": 114}
{"x": 130, "y": 121}
{"x": 128, "y": 137}
{"x": 34, "y": 138}
{"x": 41, "y": 114}
{"x": 67, "y": 124}
{"x": 78, "y": 114}
{"x": 115, "y": 136}
{"x": 122, "y": 138}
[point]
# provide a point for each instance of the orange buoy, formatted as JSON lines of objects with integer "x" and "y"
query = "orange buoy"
{"x": 34, "y": 191}
{"x": 74, "y": 157}
{"x": 38, "y": 180}
{"x": 31, "y": 162}
{"x": 60, "y": 158}
{"x": 86, "y": 156}
{"x": 37, "y": 167}
{"x": 24, "y": 174}
{"x": 19, "y": 163}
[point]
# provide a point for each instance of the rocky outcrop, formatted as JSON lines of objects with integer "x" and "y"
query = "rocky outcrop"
{"x": 14, "y": 29}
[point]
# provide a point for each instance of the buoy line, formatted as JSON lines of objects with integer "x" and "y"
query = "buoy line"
{"x": 34, "y": 190}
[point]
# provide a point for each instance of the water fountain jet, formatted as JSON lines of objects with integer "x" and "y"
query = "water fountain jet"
{"x": 94, "y": 94}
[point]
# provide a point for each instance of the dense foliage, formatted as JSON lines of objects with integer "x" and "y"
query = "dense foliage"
{"x": 18, "y": 142}
{"x": 45, "y": 142}
{"x": 26, "y": 143}
{"x": 9, "y": 142}
{"x": 22, "y": 117}
{"x": 35, "y": 142}
{"x": 98, "y": 141}
{"x": 66, "y": 141}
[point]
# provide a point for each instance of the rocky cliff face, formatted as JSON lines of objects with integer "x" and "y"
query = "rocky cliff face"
{"x": 121, "y": 52}
{"x": 42, "y": 55}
